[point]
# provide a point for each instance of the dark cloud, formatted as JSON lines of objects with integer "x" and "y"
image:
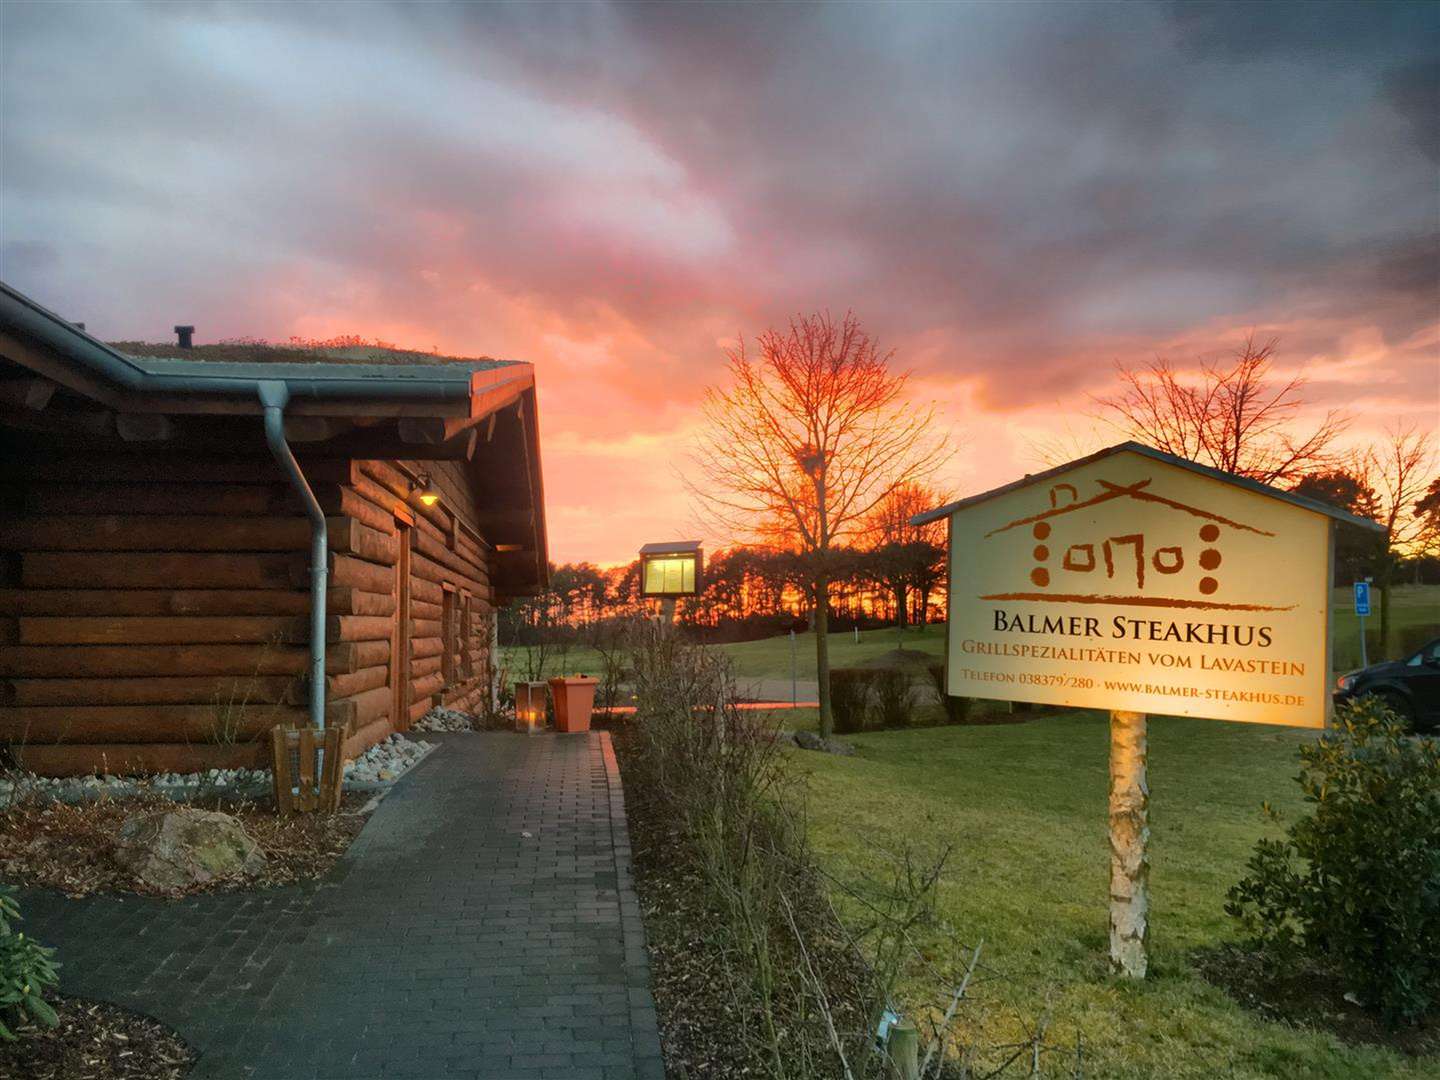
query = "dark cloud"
{"x": 1414, "y": 90}
{"x": 1019, "y": 194}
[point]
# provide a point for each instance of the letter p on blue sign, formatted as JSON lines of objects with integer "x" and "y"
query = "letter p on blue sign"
{"x": 1362, "y": 598}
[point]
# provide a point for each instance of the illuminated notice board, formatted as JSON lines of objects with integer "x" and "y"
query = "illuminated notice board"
{"x": 673, "y": 568}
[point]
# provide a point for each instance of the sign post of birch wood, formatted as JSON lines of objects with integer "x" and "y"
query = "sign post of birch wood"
{"x": 1138, "y": 582}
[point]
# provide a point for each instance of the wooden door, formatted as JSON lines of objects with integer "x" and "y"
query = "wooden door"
{"x": 400, "y": 634}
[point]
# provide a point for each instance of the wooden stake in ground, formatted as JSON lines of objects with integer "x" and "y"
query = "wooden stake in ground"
{"x": 1129, "y": 845}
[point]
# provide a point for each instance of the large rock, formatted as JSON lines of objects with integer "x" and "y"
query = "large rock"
{"x": 176, "y": 849}
{"x": 808, "y": 740}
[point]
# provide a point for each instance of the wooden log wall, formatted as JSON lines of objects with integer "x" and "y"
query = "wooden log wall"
{"x": 444, "y": 556}
{"x": 153, "y": 610}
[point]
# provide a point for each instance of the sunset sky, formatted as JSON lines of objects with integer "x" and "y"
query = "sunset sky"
{"x": 1011, "y": 196}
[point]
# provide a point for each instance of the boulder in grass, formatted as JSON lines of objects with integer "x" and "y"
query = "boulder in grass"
{"x": 808, "y": 740}
{"x": 181, "y": 848}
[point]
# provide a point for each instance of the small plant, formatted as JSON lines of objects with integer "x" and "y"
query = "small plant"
{"x": 233, "y": 711}
{"x": 957, "y": 709}
{"x": 804, "y": 989}
{"x": 894, "y": 697}
{"x": 26, "y": 971}
{"x": 850, "y": 698}
{"x": 611, "y": 639}
{"x": 496, "y": 708}
{"x": 1355, "y": 885}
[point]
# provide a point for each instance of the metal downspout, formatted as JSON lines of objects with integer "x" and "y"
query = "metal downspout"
{"x": 275, "y": 396}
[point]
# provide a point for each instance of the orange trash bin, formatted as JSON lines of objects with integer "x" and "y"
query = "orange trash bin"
{"x": 574, "y": 698}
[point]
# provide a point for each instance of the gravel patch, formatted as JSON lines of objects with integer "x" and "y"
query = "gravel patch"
{"x": 386, "y": 762}
{"x": 378, "y": 767}
{"x": 442, "y": 719}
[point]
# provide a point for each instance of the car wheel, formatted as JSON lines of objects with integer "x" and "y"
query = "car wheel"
{"x": 1397, "y": 704}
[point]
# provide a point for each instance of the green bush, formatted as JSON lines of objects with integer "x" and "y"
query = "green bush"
{"x": 1355, "y": 885}
{"x": 850, "y": 698}
{"x": 26, "y": 970}
{"x": 894, "y": 697}
{"x": 957, "y": 709}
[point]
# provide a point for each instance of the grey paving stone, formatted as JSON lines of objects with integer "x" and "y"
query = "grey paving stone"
{"x": 446, "y": 944}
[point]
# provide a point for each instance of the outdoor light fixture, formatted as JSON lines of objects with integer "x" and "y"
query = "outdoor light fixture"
{"x": 530, "y": 707}
{"x": 424, "y": 490}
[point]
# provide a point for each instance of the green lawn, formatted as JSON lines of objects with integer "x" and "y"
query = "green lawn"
{"x": 1024, "y": 806}
{"x": 574, "y": 661}
{"x": 1414, "y": 606}
{"x": 1411, "y": 606}
{"x": 770, "y": 658}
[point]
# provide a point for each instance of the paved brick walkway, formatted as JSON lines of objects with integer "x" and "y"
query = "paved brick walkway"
{"x": 484, "y": 925}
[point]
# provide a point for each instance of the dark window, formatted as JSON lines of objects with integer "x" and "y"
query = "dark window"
{"x": 467, "y": 643}
{"x": 447, "y": 634}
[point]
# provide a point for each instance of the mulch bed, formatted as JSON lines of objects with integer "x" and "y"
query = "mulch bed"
{"x": 1306, "y": 996}
{"x": 699, "y": 1012}
{"x": 96, "y": 1041}
{"x": 68, "y": 847}
{"x": 704, "y": 1011}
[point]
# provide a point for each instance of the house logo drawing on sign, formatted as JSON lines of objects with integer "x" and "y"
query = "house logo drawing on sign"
{"x": 1098, "y": 557}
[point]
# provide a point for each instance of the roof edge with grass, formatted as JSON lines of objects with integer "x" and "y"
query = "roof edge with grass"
{"x": 345, "y": 349}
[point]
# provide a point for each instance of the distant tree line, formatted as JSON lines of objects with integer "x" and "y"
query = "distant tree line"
{"x": 750, "y": 592}
{"x": 832, "y": 518}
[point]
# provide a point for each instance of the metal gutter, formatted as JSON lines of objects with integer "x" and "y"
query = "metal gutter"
{"x": 274, "y": 396}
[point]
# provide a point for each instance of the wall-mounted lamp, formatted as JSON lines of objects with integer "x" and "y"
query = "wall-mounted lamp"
{"x": 422, "y": 490}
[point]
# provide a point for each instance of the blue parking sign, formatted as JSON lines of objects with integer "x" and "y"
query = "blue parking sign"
{"x": 1362, "y": 598}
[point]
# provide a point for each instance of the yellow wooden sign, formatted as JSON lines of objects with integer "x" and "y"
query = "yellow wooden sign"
{"x": 1136, "y": 581}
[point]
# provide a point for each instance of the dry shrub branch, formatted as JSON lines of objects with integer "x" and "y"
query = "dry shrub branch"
{"x": 755, "y": 972}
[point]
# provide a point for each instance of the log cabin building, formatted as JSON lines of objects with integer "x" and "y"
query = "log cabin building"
{"x": 170, "y": 516}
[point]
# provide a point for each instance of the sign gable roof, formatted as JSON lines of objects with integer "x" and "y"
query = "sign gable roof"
{"x": 671, "y": 547}
{"x": 1254, "y": 486}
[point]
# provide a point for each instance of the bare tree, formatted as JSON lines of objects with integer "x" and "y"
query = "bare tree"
{"x": 1344, "y": 486}
{"x": 1400, "y": 471}
{"x": 903, "y": 557}
{"x": 1427, "y": 509}
{"x": 804, "y": 441}
{"x": 1234, "y": 417}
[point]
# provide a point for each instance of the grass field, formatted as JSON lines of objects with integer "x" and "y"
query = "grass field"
{"x": 1024, "y": 806}
{"x": 1411, "y": 607}
{"x": 577, "y": 660}
{"x": 770, "y": 658}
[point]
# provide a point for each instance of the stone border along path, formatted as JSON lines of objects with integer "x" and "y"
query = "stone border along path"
{"x": 396, "y": 754}
{"x": 484, "y": 925}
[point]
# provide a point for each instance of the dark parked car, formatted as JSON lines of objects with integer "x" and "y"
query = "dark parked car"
{"x": 1411, "y": 686}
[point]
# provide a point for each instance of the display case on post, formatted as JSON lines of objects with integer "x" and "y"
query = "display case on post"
{"x": 669, "y": 571}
